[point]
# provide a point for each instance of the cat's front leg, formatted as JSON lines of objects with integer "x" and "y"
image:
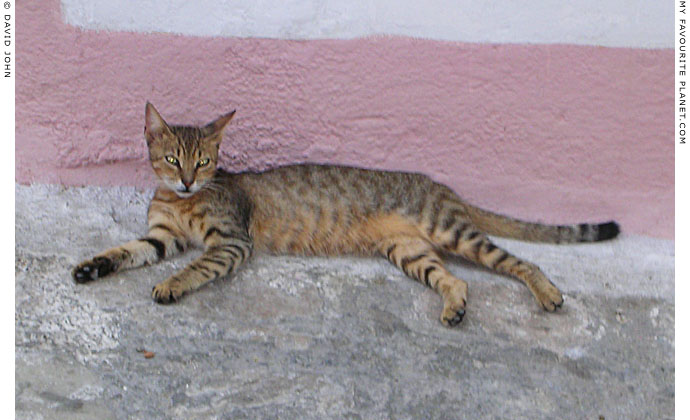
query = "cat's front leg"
{"x": 223, "y": 255}
{"x": 159, "y": 243}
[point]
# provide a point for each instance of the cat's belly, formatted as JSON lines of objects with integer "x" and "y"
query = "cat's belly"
{"x": 328, "y": 232}
{"x": 314, "y": 210}
{"x": 309, "y": 234}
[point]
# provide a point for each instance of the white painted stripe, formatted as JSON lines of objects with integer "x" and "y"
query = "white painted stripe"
{"x": 617, "y": 23}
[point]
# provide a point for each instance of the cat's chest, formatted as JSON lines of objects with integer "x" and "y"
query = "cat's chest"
{"x": 190, "y": 219}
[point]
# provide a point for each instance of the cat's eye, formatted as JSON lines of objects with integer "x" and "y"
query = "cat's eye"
{"x": 171, "y": 160}
{"x": 202, "y": 162}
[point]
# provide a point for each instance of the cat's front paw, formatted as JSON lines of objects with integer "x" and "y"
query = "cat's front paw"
{"x": 167, "y": 292}
{"x": 91, "y": 270}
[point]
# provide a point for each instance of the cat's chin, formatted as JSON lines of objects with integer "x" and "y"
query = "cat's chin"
{"x": 184, "y": 194}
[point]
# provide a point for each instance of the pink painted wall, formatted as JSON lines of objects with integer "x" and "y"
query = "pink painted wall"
{"x": 554, "y": 133}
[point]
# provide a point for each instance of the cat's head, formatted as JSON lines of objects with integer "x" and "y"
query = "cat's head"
{"x": 183, "y": 157}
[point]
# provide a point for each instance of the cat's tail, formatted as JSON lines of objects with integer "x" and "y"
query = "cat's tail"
{"x": 499, "y": 225}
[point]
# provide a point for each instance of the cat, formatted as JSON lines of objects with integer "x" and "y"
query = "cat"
{"x": 311, "y": 209}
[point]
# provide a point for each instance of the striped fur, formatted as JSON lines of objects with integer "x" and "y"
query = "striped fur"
{"x": 317, "y": 210}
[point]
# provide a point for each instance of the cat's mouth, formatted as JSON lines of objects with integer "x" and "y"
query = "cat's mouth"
{"x": 180, "y": 189}
{"x": 185, "y": 191}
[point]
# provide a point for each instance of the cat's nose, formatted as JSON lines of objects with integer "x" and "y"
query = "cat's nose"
{"x": 187, "y": 184}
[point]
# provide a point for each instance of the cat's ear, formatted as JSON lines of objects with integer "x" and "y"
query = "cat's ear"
{"x": 155, "y": 124}
{"x": 214, "y": 130}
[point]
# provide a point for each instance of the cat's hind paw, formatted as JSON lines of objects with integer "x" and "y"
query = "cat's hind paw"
{"x": 453, "y": 313}
{"x": 92, "y": 269}
{"x": 548, "y": 296}
{"x": 454, "y": 319}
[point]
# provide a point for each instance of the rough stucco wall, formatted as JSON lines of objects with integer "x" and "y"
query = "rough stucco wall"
{"x": 553, "y": 133}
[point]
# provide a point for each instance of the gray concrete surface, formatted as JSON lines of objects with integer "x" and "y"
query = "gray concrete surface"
{"x": 314, "y": 338}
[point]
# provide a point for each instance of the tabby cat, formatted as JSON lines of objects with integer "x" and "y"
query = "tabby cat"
{"x": 316, "y": 210}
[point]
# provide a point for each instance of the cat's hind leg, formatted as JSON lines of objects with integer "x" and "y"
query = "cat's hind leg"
{"x": 417, "y": 258}
{"x": 463, "y": 239}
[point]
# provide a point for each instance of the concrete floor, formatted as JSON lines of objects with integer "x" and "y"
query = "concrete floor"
{"x": 314, "y": 338}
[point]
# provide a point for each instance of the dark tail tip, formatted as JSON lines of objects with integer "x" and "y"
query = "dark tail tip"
{"x": 607, "y": 231}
